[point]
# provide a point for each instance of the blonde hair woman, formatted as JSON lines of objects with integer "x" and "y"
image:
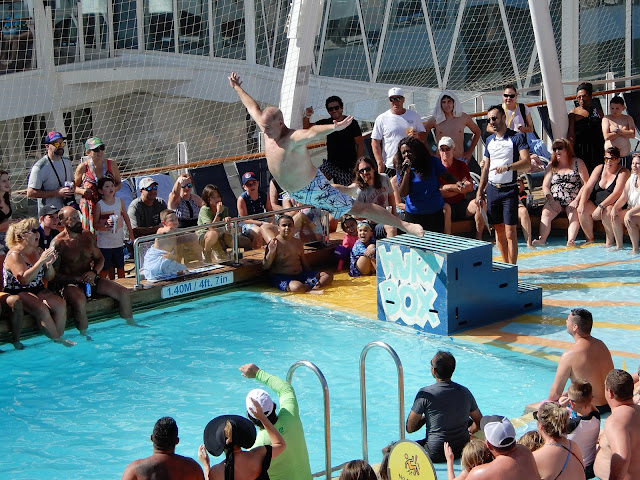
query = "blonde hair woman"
{"x": 24, "y": 270}
{"x": 559, "y": 458}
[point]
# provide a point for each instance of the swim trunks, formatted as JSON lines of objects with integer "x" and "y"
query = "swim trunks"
{"x": 321, "y": 194}
{"x": 281, "y": 281}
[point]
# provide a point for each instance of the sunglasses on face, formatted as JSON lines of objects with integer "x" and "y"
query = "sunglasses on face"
{"x": 609, "y": 159}
{"x": 58, "y": 144}
{"x": 148, "y": 189}
{"x": 333, "y": 109}
{"x": 493, "y": 119}
{"x": 99, "y": 148}
{"x": 558, "y": 148}
{"x": 509, "y": 95}
{"x": 364, "y": 170}
{"x": 34, "y": 230}
{"x": 395, "y": 99}
{"x": 187, "y": 185}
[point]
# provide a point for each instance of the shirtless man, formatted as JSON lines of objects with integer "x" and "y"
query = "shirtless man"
{"x": 164, "y": 463}
{"x": 290, "y": 164}
{"x": 511, "y": 460}
{"x": 618, "y": 129}
{"x": 79, "y": 261}
{"x": 619, "y": 454}
{"x": 449, "y": 120}
{"x": 288, "y": 269}
{"x": 589, "y": 359}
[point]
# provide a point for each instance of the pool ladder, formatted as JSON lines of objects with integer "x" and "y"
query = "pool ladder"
{"x": 363, "y": 402}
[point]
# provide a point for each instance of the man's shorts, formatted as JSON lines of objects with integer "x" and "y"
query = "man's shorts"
{"x": 321, "y": 194}
{"x": 502, "y": 204}
{"x": 334, "y": 172}
{"x": 459, "y": 210}
{"x": 281, "y": 281}
{"x": 113, "y": 257}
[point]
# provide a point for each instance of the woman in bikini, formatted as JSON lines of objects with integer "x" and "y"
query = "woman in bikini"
{"x": 87, "y": 175}
{"x": 562, "y": 184}
{"x": 601, "y": 192}
{"x": 559, "y": 458}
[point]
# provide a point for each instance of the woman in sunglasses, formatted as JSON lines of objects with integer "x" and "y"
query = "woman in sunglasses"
{"x": 601, "y": 192}
{"x": 185, "y": 202}
{"x": 374, "y": 187}
{"x": 518, "y": 114}
{"x": 87, "y": 175}
{"x": 562, "y": 184}
{"x": 24, "y": 270}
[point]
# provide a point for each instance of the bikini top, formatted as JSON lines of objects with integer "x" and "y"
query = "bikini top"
{"x": 11, "y": 282}
{"x": 569, "y": 452}
{"x": 4, "y": 216}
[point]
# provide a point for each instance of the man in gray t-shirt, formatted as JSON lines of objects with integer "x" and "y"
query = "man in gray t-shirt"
{"x": 144, "y": 212}
{"x": 445, "y": 408}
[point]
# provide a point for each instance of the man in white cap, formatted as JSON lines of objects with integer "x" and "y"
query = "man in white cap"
{"x": 144, "y": 211}
{"x": 511, "y": 460}
{"x": 293, "y": 463}
{"x": 391, "y": 127}
{"x": 449, "y": 120}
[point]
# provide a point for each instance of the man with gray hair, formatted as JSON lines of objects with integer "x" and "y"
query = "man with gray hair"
{"x": 164, "y": 463}
{"x": 511, "y": 460}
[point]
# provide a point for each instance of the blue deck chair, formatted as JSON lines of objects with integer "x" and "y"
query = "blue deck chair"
{"x": 259, "y": 168}
{"x": 126, "y": 192}
{"x": 215, "y": 175}
{"x": 165, "y": 185}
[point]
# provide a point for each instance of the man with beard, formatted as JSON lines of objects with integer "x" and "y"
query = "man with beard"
{"x": 79, "y": 261}
{"x": 588, "y": 359}
{"x": 344, "y": 147}
{"x": 51, "y": 175}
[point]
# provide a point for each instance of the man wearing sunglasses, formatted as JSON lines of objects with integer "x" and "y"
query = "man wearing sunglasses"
{"x": 51, "y": 175}
{"x": 506, "y": 153}
{"x": 391, "y": 127}
{"x": 144, "y": 211}
{"x": 343, "y": 147}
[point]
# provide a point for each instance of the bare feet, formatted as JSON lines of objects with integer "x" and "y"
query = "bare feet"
{"x": 607, "y": 245}
{"x": 614, "y": 248}
{"x": 413, "y": 229}
{"x": 634, "y": 252}
{"x": 18, "y": 345}
{"x": 589, "y": 241}
{"x": 66, "y": 343}
{"x": 133, "y": 323}
{"x": 537, "y": 242}
{"x": 532, "y": 245}
{"x": 571, "y": 243}
{"x": 313, "y": 291}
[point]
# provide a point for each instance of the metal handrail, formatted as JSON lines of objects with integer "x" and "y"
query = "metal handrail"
{"x": 363, "y": 392}
{"x": 233, "y": 221}
{"x": 325, "y": 395}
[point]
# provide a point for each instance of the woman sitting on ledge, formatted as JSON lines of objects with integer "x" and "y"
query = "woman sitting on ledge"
{"x": 565, "y": 177}
{"x": 627, "y": 208}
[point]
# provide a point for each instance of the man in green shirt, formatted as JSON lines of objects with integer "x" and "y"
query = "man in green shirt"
{"x": 293, "y": 463}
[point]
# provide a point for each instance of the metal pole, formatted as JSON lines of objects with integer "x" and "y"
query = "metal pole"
{"x": 327, "y": 420}
{"x": 363, "y": 392}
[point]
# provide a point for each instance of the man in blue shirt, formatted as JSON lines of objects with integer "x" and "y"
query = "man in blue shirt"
{"x": 506, "y": 152}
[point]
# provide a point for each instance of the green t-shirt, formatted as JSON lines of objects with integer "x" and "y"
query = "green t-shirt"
{"x": 293, "y": 463}
{"x": 206, "y": 215}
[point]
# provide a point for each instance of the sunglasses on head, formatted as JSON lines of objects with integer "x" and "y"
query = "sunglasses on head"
{"x": 395, "y": 99}
{"x": 333, "y": 109}
{"x": 558, "y": 148}
{"x": 101, "y": 147}
{"x": 509, "y": 95}
{"x": 187, "y": 185}
{"x": 58, "y": 144}
{"x": 153, "y": 187}
{"x": 364, "y": 170}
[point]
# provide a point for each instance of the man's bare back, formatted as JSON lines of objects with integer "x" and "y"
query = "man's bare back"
{"x": 164, "y": 466}
{"x": 624, "y": 421}
{"x": 517, "y": 465}
{"x": 589, "y": 359}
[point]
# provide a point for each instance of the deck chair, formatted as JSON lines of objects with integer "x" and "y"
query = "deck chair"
{"x": 165, "y": 185}
{"x": 215, "y": 175}
{"x": 632, "y": 100}
{"x": 126, "y": 192}
{"x": 259, "y": 168}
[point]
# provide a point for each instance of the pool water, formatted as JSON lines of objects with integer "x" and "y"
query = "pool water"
{"x": 86, "y": 412}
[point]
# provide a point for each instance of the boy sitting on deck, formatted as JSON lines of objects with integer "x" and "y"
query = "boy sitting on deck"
{"x": 160, "y": 261}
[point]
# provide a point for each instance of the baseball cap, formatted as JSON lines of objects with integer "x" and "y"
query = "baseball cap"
{"x": 395, "y": 92}
{"x": 92, "y": 142}
{"x": 446, "y": 141}
{"x": 263, "y": 399}
{"x": 243, "y": 433}
{"x": 498, "y": 430}
{"x": 247, "y": 177}
{"x": 53, "y": 137}
{"x": 48, "y": 210}
{"x": 146, "y": 182}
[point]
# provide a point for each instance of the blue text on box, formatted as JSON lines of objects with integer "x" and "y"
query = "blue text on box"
{"x": 197, "y": 285}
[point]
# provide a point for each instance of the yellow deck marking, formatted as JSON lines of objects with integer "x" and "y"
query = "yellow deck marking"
{"x": 577, "y": 266}
{"x": 588, "y": 303}
{"x": 585, "y": 285}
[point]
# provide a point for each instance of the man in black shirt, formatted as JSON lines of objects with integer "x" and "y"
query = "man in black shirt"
{"x": 343, "y": 147}
{"x": 48, "y": 225}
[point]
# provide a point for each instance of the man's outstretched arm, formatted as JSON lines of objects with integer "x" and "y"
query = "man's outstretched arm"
{"x": 252, "y": 106}
{"x": 317, "y": 132}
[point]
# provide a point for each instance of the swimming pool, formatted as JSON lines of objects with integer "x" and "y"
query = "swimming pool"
{"x": 88, "y": 411}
